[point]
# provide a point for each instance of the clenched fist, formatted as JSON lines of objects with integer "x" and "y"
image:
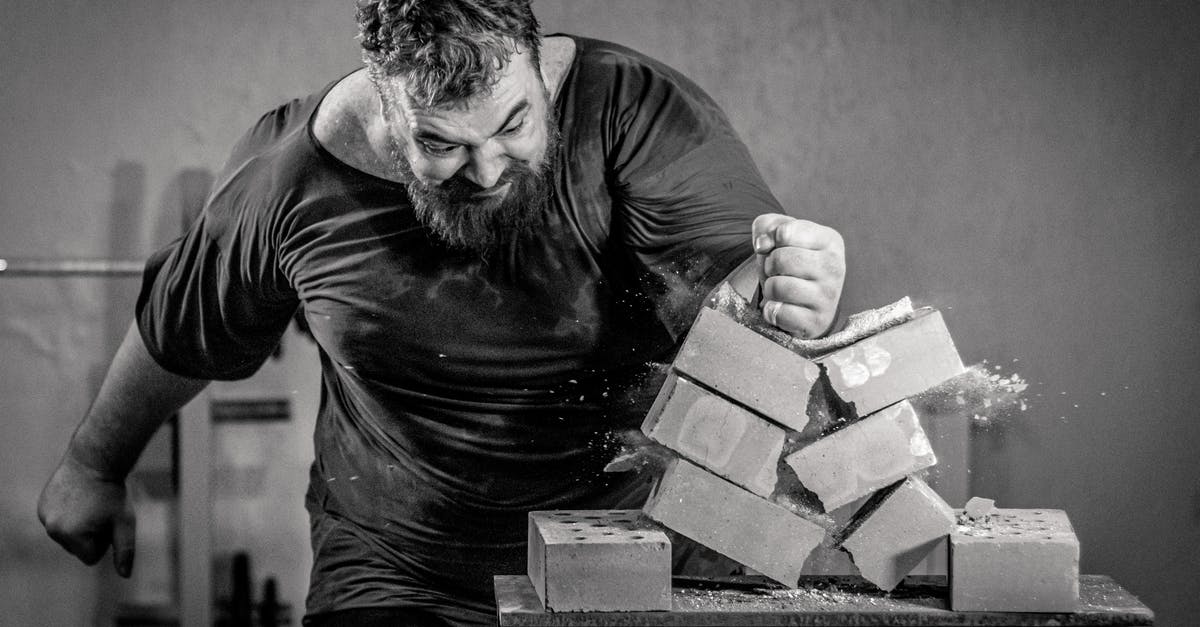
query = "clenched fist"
{"x": 801, "y": 269}
{"x": 86, "y": 513}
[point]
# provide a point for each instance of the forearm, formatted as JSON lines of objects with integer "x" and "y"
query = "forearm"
{"x": 136, "y": 396}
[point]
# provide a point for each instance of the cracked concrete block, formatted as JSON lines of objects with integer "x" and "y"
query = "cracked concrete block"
{"x": 599, "y": 560}
{"x": 1017, "y": 560}
{"x": 725, "y": 518}
{"x": 864, "y": 456}
{"x": 724, "y": 438}
{"x": 894, "y": 364}
{"x": 748, "y": 368}
{"x": 895, "y": 529}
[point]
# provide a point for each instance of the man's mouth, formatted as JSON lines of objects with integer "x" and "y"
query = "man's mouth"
{"x": 492, "y": 192}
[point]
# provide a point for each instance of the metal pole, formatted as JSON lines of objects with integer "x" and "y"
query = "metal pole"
{"x": 18, "y": 267}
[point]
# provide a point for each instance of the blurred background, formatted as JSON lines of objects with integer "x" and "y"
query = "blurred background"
{"x": 1032, "y": 169}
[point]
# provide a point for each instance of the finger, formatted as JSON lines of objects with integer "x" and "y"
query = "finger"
{"x": 124, "y": 541}
{"x": 762, "y": 231}
{"x": 816, "y": 295}
{"x": 802, "y": 322}
{"x": 89, "y": 547}
{"x": 806, "y": 234}
{"x": 803, "y": 263}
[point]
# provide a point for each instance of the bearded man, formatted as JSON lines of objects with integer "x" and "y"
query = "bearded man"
{"x": 493, "y": 238}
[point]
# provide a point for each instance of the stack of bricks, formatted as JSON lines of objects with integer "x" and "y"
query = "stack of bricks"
{"x": 769, "y": 440}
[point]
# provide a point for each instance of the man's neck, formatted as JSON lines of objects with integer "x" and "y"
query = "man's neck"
{"x": 348, "y": 123}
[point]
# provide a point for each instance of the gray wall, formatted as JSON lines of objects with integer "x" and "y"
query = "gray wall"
{"x": 1032, "y": 169}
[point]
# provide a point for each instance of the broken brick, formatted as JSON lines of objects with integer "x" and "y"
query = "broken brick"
{"x": 863, "y": 457}
{"x": 895, "y": 529}
{"x": 748, "y": 368}
{"x": 1019, "y": 560}
{"x": 720, "y": 436}
{"x": 599, "y": 560}
{"x": 979, "y": 508}
{"x": 734, "y": 522}
{"x": 894, "y": 364}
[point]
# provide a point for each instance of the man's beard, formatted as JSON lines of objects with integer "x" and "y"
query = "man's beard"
{"x": 481, "y": 225}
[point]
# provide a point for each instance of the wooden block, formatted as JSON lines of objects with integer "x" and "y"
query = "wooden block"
{"x": 894, "y": 364}
{"x": 1018, "y": 560}
{"x": 748, "y": 368}
{"x": 599, "y": 560}
{"x": 863, "y": 457}
{"x": 720, "y": 436}
{"x": 895, "y": 530}
{"x": 746, "y": 528}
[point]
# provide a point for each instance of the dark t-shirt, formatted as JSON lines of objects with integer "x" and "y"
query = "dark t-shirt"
{"x": 460, "y": 394}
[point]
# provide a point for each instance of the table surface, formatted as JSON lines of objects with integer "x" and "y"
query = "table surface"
{"x": 820, "y": 602}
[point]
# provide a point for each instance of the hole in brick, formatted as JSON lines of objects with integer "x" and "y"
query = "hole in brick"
{"x": 988, "y": 536}
{"x": 570, "y": 522}
{"x": 623, "y": 520}
{"x": 597, "y": 524}
{"x": 561, "y": 514}
{"x": 1041, "y": 520}
{"x": 577, "y": 529}
{"x": 608, "y": 533}
{"x": 1049, "y": 537}
{"x": 592, "y": 517}
{"x": 635, "y": 537}
{"x": 580, "y": 538}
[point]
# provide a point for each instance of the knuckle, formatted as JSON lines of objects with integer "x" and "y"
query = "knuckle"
{"x": 763, "y": 222}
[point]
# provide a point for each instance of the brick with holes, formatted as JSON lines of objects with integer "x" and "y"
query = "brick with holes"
{"x": 1015, "y": 560}
{"x": 599, "y": 560}
{"x": 724, "y": 438}
{"x": 864, "y": 456}
{"x": 894, "y": 364}
{"x": 748, "y": 368}
{"x": 895, "y": 529}
{"x": 734, "y": 522}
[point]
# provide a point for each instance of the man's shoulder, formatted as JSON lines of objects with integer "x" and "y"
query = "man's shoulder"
{"x": 275, "y": 160}
{"x": 598, "y": 55}
{"x": 627, "y": 74}
{"x": 286, "y": 121}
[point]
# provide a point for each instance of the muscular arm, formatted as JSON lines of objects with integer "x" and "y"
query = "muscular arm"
{"x": 84, "y": 505}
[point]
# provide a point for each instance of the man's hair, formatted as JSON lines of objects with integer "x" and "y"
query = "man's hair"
{"x": 445, "y": 50}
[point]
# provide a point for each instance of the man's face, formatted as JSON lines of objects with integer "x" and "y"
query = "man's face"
{"x": 477, "y": 171}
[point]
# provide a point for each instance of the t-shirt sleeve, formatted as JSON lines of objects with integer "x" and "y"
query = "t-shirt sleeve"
{"x": 214, "y": 304}
{"x": 687, "y": 189}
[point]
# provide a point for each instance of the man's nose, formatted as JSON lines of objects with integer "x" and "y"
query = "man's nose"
{"x": 486, "y": 166}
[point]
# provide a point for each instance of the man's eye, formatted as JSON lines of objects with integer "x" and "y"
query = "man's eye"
{"x": 437, "y": 149}
{"x": 514, "y": 129}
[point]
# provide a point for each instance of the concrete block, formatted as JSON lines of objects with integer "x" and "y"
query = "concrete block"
{"x": 1019, "y": 560}
{"x": 895, "y": 530}
{"x": 863, "y": 457}
{"x": 744, "y": 279}
{"x": 894, "y": 364}
{"x": 599, "y": 560}
{"x": 746, "y": 528}
{"x": 724, "y": 438}
{"x": 748, "y": 368}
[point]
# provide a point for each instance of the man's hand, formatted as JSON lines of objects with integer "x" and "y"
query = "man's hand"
{"x": 85, "y": 513}
{"x": 802, "y": 266}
